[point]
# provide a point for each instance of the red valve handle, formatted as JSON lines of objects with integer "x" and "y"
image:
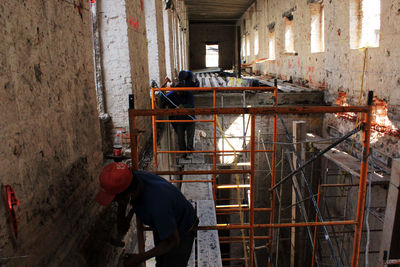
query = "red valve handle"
{"x": 11, "y": 202}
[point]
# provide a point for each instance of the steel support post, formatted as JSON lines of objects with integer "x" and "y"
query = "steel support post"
{"x": 273, "y": 173}
{"x": 154, "y": 125}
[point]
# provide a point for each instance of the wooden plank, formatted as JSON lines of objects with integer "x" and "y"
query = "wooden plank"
{"x": 208, "y": 250}
{"x": 345, "y": 161}
{"x": 197, "y": 191}
{"x": 391, "y": 228}
{"x": 192, "y": 259}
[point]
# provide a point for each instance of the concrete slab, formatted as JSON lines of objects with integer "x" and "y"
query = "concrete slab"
{"x": 208, "y": 250}
{"x": 197, "y": 191}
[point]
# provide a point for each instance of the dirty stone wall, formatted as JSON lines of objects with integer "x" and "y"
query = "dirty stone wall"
{"x": 211, "y": 33}
{"x": 49, "y": 129}
{"x": 338, "y": 68}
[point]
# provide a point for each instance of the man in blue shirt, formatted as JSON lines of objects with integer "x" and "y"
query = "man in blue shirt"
{"x": 183, "y": 99}
{"x": 158, "y": 204}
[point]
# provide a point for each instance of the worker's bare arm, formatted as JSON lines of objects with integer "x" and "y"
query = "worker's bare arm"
{"x": 163, "y": 247}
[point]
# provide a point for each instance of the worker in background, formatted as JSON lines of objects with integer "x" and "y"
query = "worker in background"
{"x": 183, "y": 99}
{"x": 158, "y": 204}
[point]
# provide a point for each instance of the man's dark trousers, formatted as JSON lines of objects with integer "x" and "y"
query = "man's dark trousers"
{"x": 178, "y": 256}
{"x": 181, "y": 128}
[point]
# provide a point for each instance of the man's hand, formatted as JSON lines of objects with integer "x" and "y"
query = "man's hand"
{"x": 132, "y": 260}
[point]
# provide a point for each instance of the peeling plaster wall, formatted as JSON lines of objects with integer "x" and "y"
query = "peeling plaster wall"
{"x": 49, "y": 129}
{"x": 339, "y": 68}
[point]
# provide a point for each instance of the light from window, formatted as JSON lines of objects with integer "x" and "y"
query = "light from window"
{"x": 248, "y": 45}
{"x": 212, "y": 55}
{"x": 317, "y": 28}
{"x": 365, "y": 25}
{"x": 271, "y": 45}
{"x": 371, "y": 23}
{"x": 256, "y": 44}
{"x": 243, "y": 46}
{"x": 289, "y": 38}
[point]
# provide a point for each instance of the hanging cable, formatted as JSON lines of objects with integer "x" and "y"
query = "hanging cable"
{"x": 176, "y": 106}
{"x": 360, "y": 96}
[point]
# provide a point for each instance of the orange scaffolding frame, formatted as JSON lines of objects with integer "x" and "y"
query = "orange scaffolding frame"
{"x": 252, "y": 111}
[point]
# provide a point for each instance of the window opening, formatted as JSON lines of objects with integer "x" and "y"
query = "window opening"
{"x": 271, "y": 45}
{"x": 243, "y": 47}
{"x": 289, "y": 38}
{"x": 256, "y": 44}
{"x": 212, "y": 55}
{"x": 248, "y": 45}
{"x": 317, "y": 28}
{"x": 365, "y": 25}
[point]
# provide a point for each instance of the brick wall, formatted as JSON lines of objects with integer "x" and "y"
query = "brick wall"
{"x": 338, "y": 68}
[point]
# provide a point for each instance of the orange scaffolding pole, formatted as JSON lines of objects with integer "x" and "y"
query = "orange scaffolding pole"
{"x": 363, "y": 182}
{"x": 276, "y": 225}
{"x": 252, "y": 185}
{"x": 273, "y": 173}
{"x": 219, "y": 89}
{"x": 184, "y": 121}
{"x": 239, "y": 238}
{"x": 214, "y": 185}
{"x": 202, "y": 172}
{"x": 243, "y": 209}
{"x": 253, "y": 111}
{"x": 211, "y": 151}
{"x": 154, "y": 125}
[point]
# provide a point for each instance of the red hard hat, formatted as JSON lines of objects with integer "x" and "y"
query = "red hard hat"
{"x": 114, "y": 179}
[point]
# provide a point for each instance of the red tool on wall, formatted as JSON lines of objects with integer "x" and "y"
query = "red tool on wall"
{"x": 11, "y": 201}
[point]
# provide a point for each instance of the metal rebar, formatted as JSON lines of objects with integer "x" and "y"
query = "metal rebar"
{"x": 316, "y": 156}
{"x": 309, "y": 190}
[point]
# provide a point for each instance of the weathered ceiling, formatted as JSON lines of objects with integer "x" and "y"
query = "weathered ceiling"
{"x": 216, "y": 10}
